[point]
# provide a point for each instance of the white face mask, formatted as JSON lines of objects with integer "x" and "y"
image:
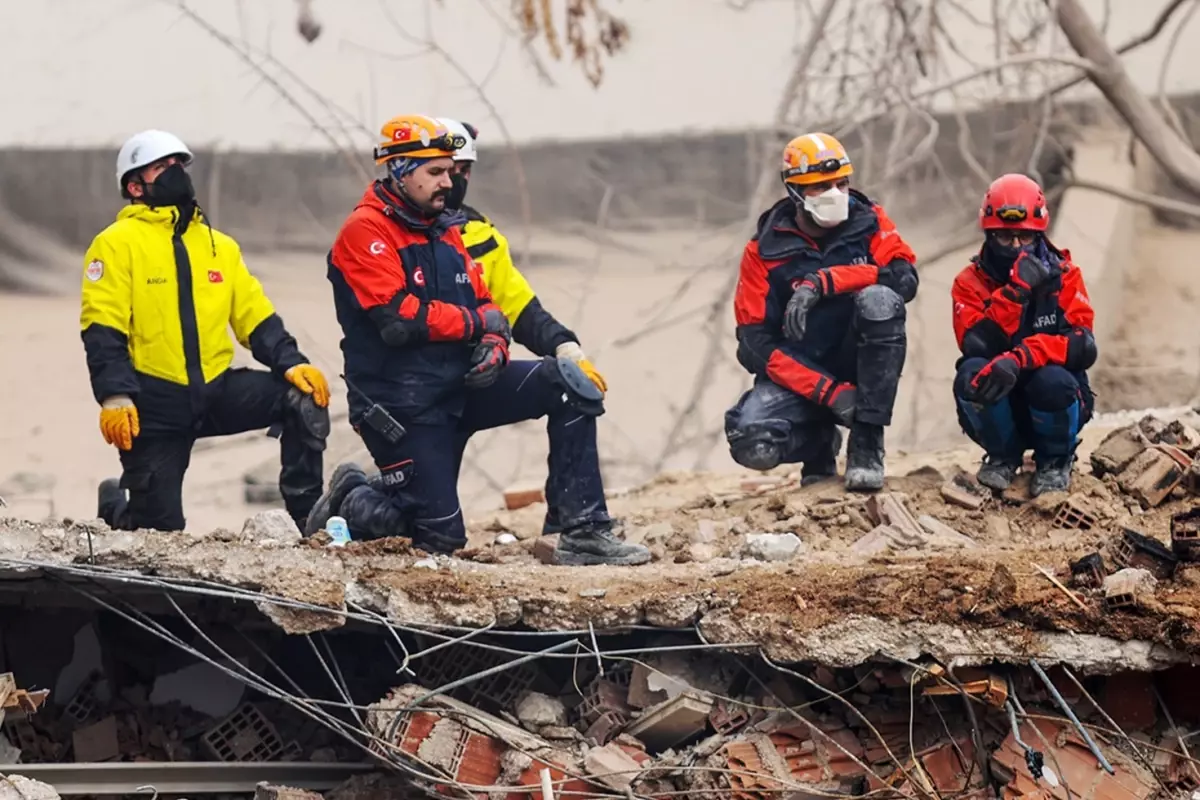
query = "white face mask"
{"x": 829, "y": 208}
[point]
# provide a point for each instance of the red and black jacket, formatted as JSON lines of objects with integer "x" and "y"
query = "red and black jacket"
{"x": 408, "y": 297}
{"x": 1051, "y": 325}
{"x": 864, "y": 250}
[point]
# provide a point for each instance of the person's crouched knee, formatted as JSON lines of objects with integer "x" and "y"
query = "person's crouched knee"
{"x": 1051, "y": 388}
{"x": 878, "y": 304}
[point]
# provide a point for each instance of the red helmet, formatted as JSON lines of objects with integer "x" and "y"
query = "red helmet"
{"x": 1015, "y": 202}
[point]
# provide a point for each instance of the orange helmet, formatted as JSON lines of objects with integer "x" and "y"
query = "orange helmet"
{"x": 416, "y": 136}
{"x": 814, "y": 158}
{"x": 1016, "y": 202}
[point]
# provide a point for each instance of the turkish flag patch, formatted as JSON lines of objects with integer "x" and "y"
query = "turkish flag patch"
{"x": 214, "y": 276}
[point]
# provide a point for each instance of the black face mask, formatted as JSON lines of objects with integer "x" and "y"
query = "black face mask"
{"x": 998, "y": 258}
{"x": 172, "y": 187}
{"x": 458, "y": 191}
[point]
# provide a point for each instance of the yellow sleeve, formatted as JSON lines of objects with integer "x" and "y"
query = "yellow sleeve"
{"x": 106, "y": 317}
{"x": 107, "y": 297}
{"x": 251, "y": 306}
{"x": 508, "y": 287}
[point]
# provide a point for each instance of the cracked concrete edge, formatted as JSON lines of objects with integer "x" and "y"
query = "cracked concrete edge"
{"x": 289, "y": 572}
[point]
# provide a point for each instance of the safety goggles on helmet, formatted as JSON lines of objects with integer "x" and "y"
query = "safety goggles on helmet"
{"x": 446, "y": 142}
{"x": 825, "y": 166}
{"x": 1012, "y": 213}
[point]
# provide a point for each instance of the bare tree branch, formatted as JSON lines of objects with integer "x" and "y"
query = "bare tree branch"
{"x": 1142, "y": 198}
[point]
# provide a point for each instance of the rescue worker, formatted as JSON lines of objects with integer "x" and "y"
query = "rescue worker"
{"x": 427, "y": 364}
{"x": 1023, "y": 323}
{"x": 161, "y": 289}
{"x": 820, "y": 310}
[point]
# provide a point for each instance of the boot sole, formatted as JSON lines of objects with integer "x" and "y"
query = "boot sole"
{"x": 562, "y": 559}
{"x": 320, "y": 509}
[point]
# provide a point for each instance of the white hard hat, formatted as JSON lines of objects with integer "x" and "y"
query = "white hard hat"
{"x": 146, "y": 148}
{"x": 467, "y": 151}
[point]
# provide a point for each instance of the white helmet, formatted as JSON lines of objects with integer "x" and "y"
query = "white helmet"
{"x": 146, "y": 148}
{"x": 467, "y": 151}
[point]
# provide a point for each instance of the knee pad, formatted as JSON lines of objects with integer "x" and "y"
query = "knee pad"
{"x": 581, "y": 394}
{"x": 878, "y": 303}
{"x": 309, "y": 418}
{"x": 759, "y": 445}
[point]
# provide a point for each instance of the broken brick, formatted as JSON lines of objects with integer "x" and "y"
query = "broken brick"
{"x": 1118, "y": 449}
{"x": 612, "y": 766}
{"x": 1185, "y": 535}
{"x": 245, "y": 735}
{"x": 1088, "y": 572}
{"x": 605, "y": 728}
{"x": 1137, "y": 551}
{"x": 963, "y": 490}
{"x": 1072, "y": 762}
{"x": 1183, "y": 436}
{"x": 520, "y": 497}
{"x": 1154, "y": 473}
{"x": 544, "y": 547}
{"x": 600, "y": 697}
{"x": 991, "y": 689}
{"x": 1074, "y": 514}
{"x": 1126, "y": 588}
{"x": 727, "y": 717}
{"x": 1128, "y": 697}
{"x": 826, "y": 766}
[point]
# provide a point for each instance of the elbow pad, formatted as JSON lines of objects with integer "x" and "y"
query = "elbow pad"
{"x": 901, "y": 277}
{"x": 984, "y": 340}
{"x": 1081, "y": 350}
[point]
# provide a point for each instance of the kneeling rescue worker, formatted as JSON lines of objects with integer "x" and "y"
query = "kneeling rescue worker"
{"x": 1023, "y": 323}
{"x": 161, "y": 289}
{"x": 820, "y": 309}
{"x": 427, "y": 365}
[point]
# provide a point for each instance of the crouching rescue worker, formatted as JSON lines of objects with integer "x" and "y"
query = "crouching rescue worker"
{"x": 161, "y": 289}
{"x": 427, "y": 365}
{"x": 820, "y": 310}
{"x": 1023, "y": 323}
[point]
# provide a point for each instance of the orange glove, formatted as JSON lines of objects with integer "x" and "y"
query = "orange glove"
{"x": 309, "y": 380}
{"x": 573, "y": 351}
{"x": 119, "y": 421}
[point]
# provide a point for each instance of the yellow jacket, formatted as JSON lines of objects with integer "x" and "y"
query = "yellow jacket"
{"x": 532, "y": 325}
{"x": 157, "y": 308}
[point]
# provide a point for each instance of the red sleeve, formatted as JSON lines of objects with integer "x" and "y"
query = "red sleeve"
{"x": 970, "y": 302}
{"x": 1055, "y": 348}
{"x": 750, "y": 297}
{"x": 887, "y": 245}
{"x": 371, "y": 266}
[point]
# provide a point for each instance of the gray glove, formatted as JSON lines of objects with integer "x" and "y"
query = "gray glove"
{"x": 795, "y": 317}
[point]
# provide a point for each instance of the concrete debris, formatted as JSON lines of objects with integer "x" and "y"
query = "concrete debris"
{"x": 18, "y": 787}
{"x": 1127, "y": 588}
{"x": 1118, "y": 449}
{"x": 772, "y": 546}
{"x": 1154, "y": 473}
{"x": 266, "y": 792}
{"x": 673, "y": 721}
{"x": 1136, "y": 550}
{"x": 274, "y": 528}
{"x": 612, "y": 766}
{"x": 963, "y": 490}
{"x": 536, "y": 711}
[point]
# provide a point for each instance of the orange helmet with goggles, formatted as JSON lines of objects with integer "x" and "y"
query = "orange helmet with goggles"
{"x": 1014, "y": 202}
{"x": 815, "y": 158}
{"x": 416, "y": 136}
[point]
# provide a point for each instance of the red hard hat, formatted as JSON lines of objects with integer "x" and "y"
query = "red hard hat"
{"x": 1014, "y": 202}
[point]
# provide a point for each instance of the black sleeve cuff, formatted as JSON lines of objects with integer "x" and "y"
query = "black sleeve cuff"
{"x": 275, "y": 348}
{"x": 109, "y": 368}
{"x": 901, "y": 277}
{"x": 537, "y": 330}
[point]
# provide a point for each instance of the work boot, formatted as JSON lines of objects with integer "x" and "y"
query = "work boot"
{"x": 864, "y": 458}
{"x": 594, "y": 544}
{"x": 110, "y": 497}
{"x": 346, "y": 477}
{"x": 824, "y": 465}
{"x": 997, "y": 472}
{"x": 1052, "y": 475}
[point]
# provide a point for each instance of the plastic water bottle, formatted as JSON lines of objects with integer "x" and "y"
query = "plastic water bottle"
{"x": 338, "y": 531}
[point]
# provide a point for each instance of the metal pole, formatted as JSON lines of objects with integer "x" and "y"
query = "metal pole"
{"x": 1062, "y": 703}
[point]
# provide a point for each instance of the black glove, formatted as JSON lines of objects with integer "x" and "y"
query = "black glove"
{"x": 492, "y": 320}
{"x": 1030, "y": 272}
{"x": 487, "y": 361}
{"x": 996, "y": 379}
{"x": 795, "y": 316}
{"x": 842, "y": 402}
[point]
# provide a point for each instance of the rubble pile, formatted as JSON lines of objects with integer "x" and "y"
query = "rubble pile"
{"x": 666, "y": 726}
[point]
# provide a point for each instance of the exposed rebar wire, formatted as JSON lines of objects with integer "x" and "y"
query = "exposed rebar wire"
{"x": 1062, "y": 703}
{"x": 596, "y": 649}
{"x": 338, "y": 682}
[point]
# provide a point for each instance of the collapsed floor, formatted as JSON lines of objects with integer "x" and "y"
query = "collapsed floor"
{"x": 885, "y": 603}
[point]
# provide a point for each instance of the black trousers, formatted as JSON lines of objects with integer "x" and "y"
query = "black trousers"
{"x": 245, "y": 400}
